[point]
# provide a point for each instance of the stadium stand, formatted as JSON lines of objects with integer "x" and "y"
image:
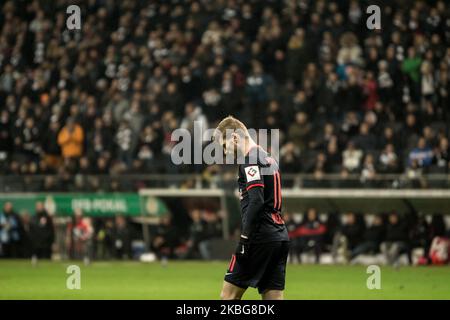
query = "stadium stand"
{"x": 93, "y": 110}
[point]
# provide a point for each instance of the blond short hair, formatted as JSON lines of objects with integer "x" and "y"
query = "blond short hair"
{"x": 230, "y": 123}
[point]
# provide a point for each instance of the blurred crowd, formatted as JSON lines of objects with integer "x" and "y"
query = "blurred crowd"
{"x": 343, "y": 236}
{"x": 350, "y": 235}
{"x": 38, "y": 236}
{"x": 169, "y": 242}
{"x": 24, "y": 235}
{"x": 105, "y": 99}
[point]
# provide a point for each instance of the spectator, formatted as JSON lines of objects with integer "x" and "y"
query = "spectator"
{"x": 441, "y": 160}
{"x": 51, "y": 146}
{"x": 6, "y": 139}
{"x": 350, "y": 125}
{"x": 328, "y": 70}
{"x": 323, "y": 139}
{"x": 27, "y": 244}
{"x": 427, "y": 81}
{"x": 195, "y": 120}
{"x": 42, "y": 233}
{"x": 300, "y": 130}
{"x": 11, "y": 231}
{"x": 388, "y": 160}
{"x": 71, "y": 139}
{"x": 396, "y": 241}
{"x": 411, "y": 67}
{"x": 333, "y": 156}
{"x": 290, "y": 158}
{"x": 121, "y": 238}
{"x": 213, "y": 228}
{"x": 365, "y": 140}
{"x": 197, "y": 233}
{"x": 372, "y": 238}
{"x": 437, "y": 225}
{"x": 329, "y": 94}
{"x": 105, "y": 240}
{"x": 368, "y": 172}
{"x": 27, "y": 140}
{"x": 309, "y": 236}
{"x": 370, "y": 89}
{"x": 134, "y": 116}
{"x": 420, "y": 237}
{"x": 126, "y": 142}
{"x": 414, "y": 175}
{"x": 411, "y": 132}
{"x": 297, "y": 53}
{"x": 388, "y": 137}
{"x": 166, "y": 239}
{"x": 422, "y": 154}
{"x": 351, "y": 157}
{"x": 348, "y": 237}
{"x": 79, "y": 237}
{"x": 291, "y": 227}
{"x": 350, "y": 52}
{"x": 258, "y": 86}
{"x": 385, "y": 81}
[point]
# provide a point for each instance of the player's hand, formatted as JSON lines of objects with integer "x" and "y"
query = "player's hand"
{"x": 242, "y": 249}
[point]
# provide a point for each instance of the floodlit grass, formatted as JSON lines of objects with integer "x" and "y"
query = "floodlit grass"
{"x": 203, "y": 280}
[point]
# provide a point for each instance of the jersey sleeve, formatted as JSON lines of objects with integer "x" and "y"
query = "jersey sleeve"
{"x": 253, "y": 177}
{"x": 254, "y": 182}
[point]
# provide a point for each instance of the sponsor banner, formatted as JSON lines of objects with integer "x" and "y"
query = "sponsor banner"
{"x": 92, "y": 204}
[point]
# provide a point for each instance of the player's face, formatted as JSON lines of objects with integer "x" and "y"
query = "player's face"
{"x": 229, "y": 148}
{"x": 230, "y": 145}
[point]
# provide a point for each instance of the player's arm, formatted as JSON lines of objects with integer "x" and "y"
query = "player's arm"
{"x": 255, "y": 193}
{"x": 255, "y": 205}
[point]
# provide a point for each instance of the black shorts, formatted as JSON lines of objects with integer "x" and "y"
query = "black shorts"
{"x": 265, "y": 267}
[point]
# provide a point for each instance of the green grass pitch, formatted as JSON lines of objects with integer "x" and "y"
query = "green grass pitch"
{"x": 203, "y": 280}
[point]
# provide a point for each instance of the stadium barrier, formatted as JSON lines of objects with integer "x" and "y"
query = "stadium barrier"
{"x": 134, "y": 182}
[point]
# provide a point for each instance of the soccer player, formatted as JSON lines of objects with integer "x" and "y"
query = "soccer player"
{"x": 261, "y": 255}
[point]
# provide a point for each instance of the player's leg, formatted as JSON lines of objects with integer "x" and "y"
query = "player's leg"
{"x": 244, "y": 273}
{"x": 236, "y": 280}
{"x": 273, "y": 295}
{"x": 272, "y": 283}
{"x": 231, "y": 291}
